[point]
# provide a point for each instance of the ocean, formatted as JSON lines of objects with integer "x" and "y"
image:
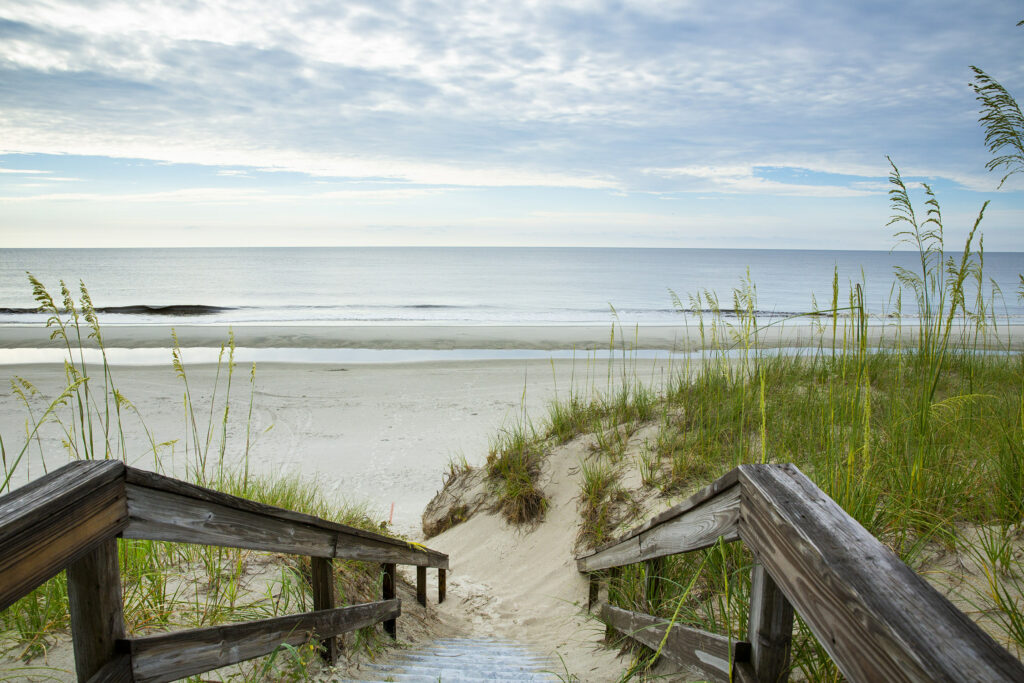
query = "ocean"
{"x": 461, "y": 286}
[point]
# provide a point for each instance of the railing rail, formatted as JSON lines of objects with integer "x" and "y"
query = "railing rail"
{"x": 875, "y": 616}
{"x": 70, "y": 519}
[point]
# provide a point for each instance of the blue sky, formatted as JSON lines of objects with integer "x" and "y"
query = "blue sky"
{"x": 643, "y": 123}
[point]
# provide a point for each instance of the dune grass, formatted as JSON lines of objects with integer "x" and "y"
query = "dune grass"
{"x": 601, "y": 500}
{"x": 168, "y": 585}
{"x": 920, "y": 438}
{"x": 514, "y": 466}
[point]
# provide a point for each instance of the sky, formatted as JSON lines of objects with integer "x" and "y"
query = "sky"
{"x": 644, "y": 123}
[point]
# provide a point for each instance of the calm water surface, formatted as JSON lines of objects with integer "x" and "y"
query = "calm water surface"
{"x": 452, "y": 285}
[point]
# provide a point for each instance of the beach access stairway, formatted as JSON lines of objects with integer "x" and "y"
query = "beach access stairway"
{"x": 71, "y": 519}
{"x": 877, "y": 619}
{"x": 462, "y": 659}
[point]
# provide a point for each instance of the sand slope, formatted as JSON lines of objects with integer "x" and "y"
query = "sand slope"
{"x": 522, "y": 584}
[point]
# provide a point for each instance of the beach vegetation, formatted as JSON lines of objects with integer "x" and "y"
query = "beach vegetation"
{"x": 603, "y": 502}
{"x": 568, "y": 418}
{"x": 1001, "y": 119}
{"x": 170, "y": 585}
{"x": 458, "y": 465}
{"x": 913, "y": 422}
{"x": 514, "y": 466}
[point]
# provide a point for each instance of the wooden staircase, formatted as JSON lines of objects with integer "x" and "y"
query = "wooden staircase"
{"x": 71, "y": 519}
{"x": 462, "y": 659}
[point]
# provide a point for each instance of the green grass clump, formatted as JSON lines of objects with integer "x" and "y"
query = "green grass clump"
{"x": 601, "y": 500}
{"x": 689, "y": 446}
{"x": 569, "y": 418}
{"x": 457, "y": 467}
{"x": 514, "y": 465}
{"x": 850, "y": 428}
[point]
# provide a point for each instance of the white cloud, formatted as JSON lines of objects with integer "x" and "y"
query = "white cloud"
{"x": 640, "y": 98}
{"x": 745, "y": 180}
{"x": 489, "y": 63}
{"x": 219, "y": 195}
{"x": 217, "y": 152}
{"x": 21, "y": 171}
{"x": 198, "y": 195}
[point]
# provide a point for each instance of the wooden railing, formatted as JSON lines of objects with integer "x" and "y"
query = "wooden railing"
{"x": 877, "y": 619}
{"x": 71, "y": 519}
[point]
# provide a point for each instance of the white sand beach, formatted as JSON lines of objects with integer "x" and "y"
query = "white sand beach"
{"x": 379, "y": 433}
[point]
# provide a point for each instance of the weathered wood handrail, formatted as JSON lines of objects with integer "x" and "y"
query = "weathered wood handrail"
{"x": 875, "y": 616}
{"x": 165, "y": 509}
{"x": 197, "y": 650}
{"x": 697, "y": 522}
{"x": 70, "y": 519}
{"x": 53, "y": 521}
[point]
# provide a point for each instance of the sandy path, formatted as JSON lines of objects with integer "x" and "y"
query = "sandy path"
{"x": 522, "y": 584}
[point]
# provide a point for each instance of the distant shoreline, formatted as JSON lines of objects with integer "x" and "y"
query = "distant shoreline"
{"x": 549, "y": 337}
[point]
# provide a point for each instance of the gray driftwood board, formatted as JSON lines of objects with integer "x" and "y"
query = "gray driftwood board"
{"x": 877, "y": 619}
{"x": 184, "y": 653}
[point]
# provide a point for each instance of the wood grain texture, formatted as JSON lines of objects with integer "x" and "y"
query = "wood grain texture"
{"x": 710, "y": 653}
{"x": 185, "y": 653}
{"x": 162, "y": 516}
{"x": 117, "y": 670}
{"x": 186, "y": 513}
{"x": 94, "y": 602}
{"x": 421, "y": 585}
{"x": 322, "y": 580}
{"x": 877, "y": 619}
{"x": 56, "y": 519}
{"x": 770, "y": 628}
{"x": 613, "y": 589}
{"x": 743, "y": 672}
{"x": 624, "y": 553}
{"x": 389, "y": 586}
{"x": 724, "y": 482}
{"x": 162, "y": 483}
{"x": 697, "y": 527}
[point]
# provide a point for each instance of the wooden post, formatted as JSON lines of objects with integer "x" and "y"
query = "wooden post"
{"x": 613, "y": 577}
{"x": 770, "y": 628}
{"x": 388, "y": 593}
{"x": 322, "y": 572}
{"x": 442, "y": 585}
{"x": 421, "y": 585}
{"x": 94, "y": 600}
